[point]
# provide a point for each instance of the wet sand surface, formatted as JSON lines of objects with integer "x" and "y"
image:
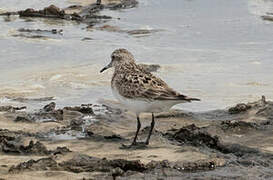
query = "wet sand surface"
{"x": 84, "y": 142}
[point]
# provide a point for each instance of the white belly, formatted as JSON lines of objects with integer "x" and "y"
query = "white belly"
{"x": 139, "y": 106}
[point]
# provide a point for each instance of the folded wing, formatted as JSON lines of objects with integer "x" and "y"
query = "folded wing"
{"x": 146, "y": 86}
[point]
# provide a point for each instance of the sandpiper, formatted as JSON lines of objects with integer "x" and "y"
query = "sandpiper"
{"x": 140, "y": 91}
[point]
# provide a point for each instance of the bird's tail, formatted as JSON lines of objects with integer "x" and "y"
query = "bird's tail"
{"x": 186, "y": 98}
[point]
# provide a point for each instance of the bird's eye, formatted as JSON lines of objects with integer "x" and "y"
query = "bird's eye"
{"x": 114, "y": 57}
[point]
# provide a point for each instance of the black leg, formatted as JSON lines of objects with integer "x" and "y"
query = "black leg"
{"x": 151, "y": 129}
{"x": 138, "y": 128}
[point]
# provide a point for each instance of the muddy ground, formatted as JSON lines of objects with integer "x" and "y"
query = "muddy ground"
{"x": 84, "y": 142}
{"x": 89, "y": 14}
{"x": 85, "y": 12}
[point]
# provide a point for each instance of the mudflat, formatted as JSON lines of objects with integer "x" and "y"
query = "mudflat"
{"x": 84, "y": 142}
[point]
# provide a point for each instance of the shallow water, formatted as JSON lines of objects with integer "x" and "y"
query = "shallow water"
{"x": 219, "y": 51}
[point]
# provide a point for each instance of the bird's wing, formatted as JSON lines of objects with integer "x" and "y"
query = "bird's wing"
{"x": 146, "y": 86}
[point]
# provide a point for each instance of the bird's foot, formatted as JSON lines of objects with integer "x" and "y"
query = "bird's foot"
{"x": 135, "y": 145}
{"x": 146, "y": 143}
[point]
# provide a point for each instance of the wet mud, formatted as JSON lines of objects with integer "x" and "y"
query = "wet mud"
{"x": 88, "y": 14}
{"x": 38, "y": 33}
{"x": 85, "y": 14}
{"x": 26, "y": 100}
{"x": 135, "y": 33}
{"x": 11, "y": 108}
{"x": 234, "y": 143}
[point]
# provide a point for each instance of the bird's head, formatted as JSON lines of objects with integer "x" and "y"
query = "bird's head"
{"x": 119, "y": 57}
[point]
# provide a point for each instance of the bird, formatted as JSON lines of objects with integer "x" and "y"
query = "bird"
{"x": 140, "y": 91}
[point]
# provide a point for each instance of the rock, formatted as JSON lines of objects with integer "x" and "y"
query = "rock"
{"x": 30, "y": 36}
{"x": 198, "y": 137}
{"x": 49, "y": 107}
{"x": 91, "y": 9}
{"x": 267, "y": 18}
{"x": 53, "y": 116}
{"x": 80, "y": 163}
{"x": 21, "y": 99}
{"x": 239, "y": 108}
{"x": 11, "y": 142}
{"x": 124, "y": 169}
{"x": 74, "y": 7}
{"x": 119, "y": 167}
{"x": 49, "y": 12}
{"x": 76, "y": 124}
{"x": 11, "y": 108}
{"x": 99, "y": 132}
{"x": 109, "y": 28}
{"x": 87, "y": 39}
{"x": 194, "y": 136}
{"x": 124, "y": 4}
{"x": 27, "y": 12}
{"x": 97, "y": 17}
{"x": 88, "y": 15}
{"x": 75, "y": 17}
{"x": 84, "y": 163}
{"x": 53, "y": 31}
{"x": 58, "y": 114}
{"x": 7, "y": 135}
{"x": 47, "y": 114}
{"x": 238, "y": 126}
{"x": 82, "y": 109}
{"x": 239, "y": 150}
{"x": 139, "y": 32}
{"x": 35, "y": 165}
{"x": 23, "y": 119}
{"x": 113, "y": 137}
{"x": 60, "y": 150}
{"x": 53, "y": 10}
{"x": 257, "y": 109}
{"x": 18, "y": 148}
{"x": 125, "y": 165}
{"x": 203, "y": 165}
{"x": 8, "y": 13}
